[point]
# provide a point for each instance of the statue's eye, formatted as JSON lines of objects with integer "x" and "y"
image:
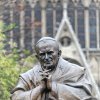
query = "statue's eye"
{"x": 42, "y": 54}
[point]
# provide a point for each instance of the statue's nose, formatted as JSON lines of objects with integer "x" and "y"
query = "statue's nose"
{"x": 46, "y": 56}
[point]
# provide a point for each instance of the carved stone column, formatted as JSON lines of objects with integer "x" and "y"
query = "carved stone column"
{"x": 43, "y": 16}
{"x": 54, "y": 17}
{"x": 22, "y": 22}
{"x": 86, "y": 19}
{"x": 97, "y": 22}
{"x": 76, "y": 18}
{"x": 32, "y": 20}
{"x": 86, "y": 3}
{"x": 11, "y": 20}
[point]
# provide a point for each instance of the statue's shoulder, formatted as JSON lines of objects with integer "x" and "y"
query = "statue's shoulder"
{"x": 67, "y": 66}
{"x": 29, "y": 75}
{"x": 63, "y": 63}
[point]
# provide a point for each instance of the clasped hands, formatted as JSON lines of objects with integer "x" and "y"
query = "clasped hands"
{"x": 46, "y": 81}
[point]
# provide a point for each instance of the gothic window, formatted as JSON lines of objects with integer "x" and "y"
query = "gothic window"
{"x": 6, "y": 15}
{"x": 37, "y": 21}
{"x": 92, "y": 25}
{"x": 16, "y": 22}
{"x": 99, "y": 24}
{"x": 81, "y": 28}
{"x": 71, "y": 13}
{"x": 49, "y": 19}
{"x": 6, "y": 20}
{"x": 27, "y": 38}
{"x": 59, "y": 13}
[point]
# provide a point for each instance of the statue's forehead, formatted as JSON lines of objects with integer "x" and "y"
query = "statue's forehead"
{"x": 46, "y": 43}
{"x": 47, "y": 46}
{"x": 46, "y": 49}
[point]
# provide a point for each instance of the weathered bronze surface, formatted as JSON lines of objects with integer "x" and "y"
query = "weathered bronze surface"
{"x": 53, "y": 78}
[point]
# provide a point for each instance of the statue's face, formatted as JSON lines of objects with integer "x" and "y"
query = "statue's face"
{"x": 48, "y": 55}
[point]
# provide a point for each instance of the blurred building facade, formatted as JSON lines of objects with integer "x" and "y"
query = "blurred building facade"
{"x": 38, "y": 18}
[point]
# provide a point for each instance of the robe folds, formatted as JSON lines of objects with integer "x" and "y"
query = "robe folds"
{"x": 69, "y": 82}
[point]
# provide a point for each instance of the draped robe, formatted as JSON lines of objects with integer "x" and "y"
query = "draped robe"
{"x": 70, "y": 82}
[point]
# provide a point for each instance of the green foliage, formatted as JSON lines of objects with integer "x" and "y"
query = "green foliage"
{"x": 11, "y": 65}
{"x": 6, "y": 28}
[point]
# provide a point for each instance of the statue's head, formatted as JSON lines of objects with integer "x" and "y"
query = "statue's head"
{"x": 48, "y": 53}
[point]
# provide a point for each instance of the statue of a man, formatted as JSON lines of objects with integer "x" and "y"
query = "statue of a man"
{"x": 53, "y": 78}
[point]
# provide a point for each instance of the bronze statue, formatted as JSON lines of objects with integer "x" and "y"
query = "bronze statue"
{"x": 52, "y": 78}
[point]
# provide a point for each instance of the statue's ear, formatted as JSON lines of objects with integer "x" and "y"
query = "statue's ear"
{"x": 59, "y": 53}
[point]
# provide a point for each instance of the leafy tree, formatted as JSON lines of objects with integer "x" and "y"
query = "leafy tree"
{"x": 11, "y": 65}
